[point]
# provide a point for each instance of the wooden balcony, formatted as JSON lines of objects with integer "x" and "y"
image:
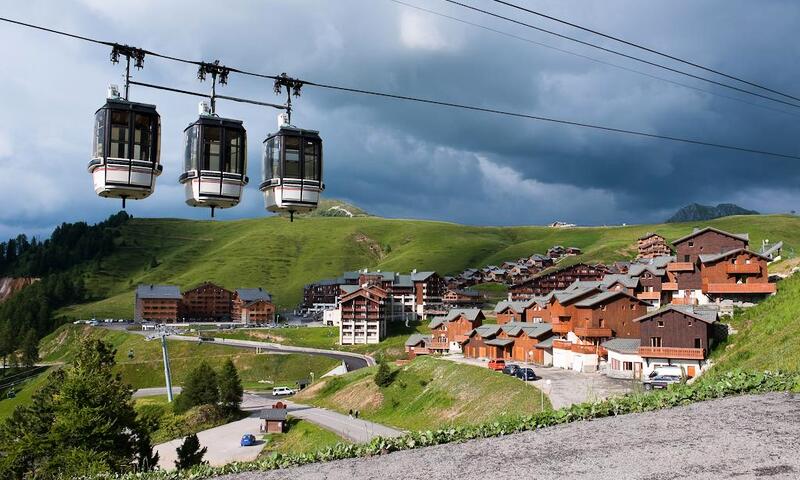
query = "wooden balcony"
{"x": 562, "y": 327}
{"x": 592, "y": 332}
{"x": 562, "y": 344}
{"x": 752, "y": 268}
{"x": 734, "y": 288}
{"x": 584, "y": 349}
{"x": 674, "y": 353}
{"x": 680, "y": 267}
{"x": 649, "y": 295}
{"x": 669, "y": 286}
{"x": 438, "y": 345}
{"x": 683, "y": 301}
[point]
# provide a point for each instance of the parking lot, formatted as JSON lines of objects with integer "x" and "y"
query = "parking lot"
{"x": 565, "y": 387}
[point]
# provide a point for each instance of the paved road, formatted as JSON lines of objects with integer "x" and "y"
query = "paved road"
{"x": 750, "y": 437}
{"x": 354, "y": 361}
{"x": 566, "y": 386}
{"x": 223, "y": 441}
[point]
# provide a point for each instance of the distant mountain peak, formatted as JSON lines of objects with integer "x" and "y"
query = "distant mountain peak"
{"x": 695, "y": 212}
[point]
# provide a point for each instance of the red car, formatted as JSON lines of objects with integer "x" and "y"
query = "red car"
{"x": 498, "y": 364}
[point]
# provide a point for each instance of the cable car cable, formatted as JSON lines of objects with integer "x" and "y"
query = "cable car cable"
{"x": 624, "y": 55}
{"x": 592, "y": 59}
{"x": 647, "y": 49}
{"x": 469, "y": 107}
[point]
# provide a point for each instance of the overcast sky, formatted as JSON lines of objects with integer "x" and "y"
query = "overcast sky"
{"x": 399, "y": 159}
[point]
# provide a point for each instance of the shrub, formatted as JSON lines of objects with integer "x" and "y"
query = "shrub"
{"x": 383, "y": 376}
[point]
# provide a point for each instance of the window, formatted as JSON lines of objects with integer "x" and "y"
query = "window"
{"x": 311, "y": 160}
{"x": 142, "y": 137}
{"x": 235, "y": 151}
{"x": 691, "y": 243}
{"x": 602, "y": 323}
{"x": 190, "y": 155}
{"x": 698, "y": 343}
{"x": 292, "y": 157}
{"x": 212, "y": 143}
{"x": 627, "y": 365}
{"x": 689, "y": 324}
{"x": 655, "y": 342}
{"x": 686, "y": 258}
{"x": 119, "y": 134}
{"x": 660, "y": 323}
{"x": 99, "y": 133}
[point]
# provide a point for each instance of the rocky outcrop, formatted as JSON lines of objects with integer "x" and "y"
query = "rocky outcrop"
{"x": 10, "y": 285}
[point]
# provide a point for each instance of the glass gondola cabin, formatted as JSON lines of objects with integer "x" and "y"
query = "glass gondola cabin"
{"x": 292, "y": 173}
{"x": 215, "y": 162}
{"x": 126, "y": 150}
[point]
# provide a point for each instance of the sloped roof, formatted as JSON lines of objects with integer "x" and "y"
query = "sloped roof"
{"x": 713, "y": 257}
{"x": 547, "y": 343}
{"x": 517, "y": 306}
{"x": 436, "y": 321}
{"x": 570, "y": 295}
{"x": 351, "y": 275}
{"x": 771, "y": 249}
{"x": 485, "y": 331}
{"x": 626, "y": 280}
{"x": 404, "y": 281}
{"x": 348, "y": 289}
{"x": 650, "y": 234}
{"x": 253, "y": 294}
{"x": 740, "y": 236}
{"x": 623, "y": 345}
{"x": 708, "y": 315}
{"x": 499, "y": 342}
{"x": 416, "y": 338}
{"x": 158, "y": 292}
{"x": 421, "y": 276}
{"x": 471, "y": 314}
{"x": 273, "y": 414}
{"x": 532, "y": 330}
{"x": 603, "y": 296}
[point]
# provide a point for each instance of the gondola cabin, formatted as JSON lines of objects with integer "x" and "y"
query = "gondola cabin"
{"x": 292, "y": 170}
{"x": 215, "y": 161}
{"x": 126, "y": 150}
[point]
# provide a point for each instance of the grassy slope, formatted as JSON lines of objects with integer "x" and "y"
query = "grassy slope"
{"x": 428, "y": 393}
{"x": 302, "y": 437}
{"x": 768, "y": 335}
{"x": 24, "y": 393}
{"x": 283, "y": 256}
{"x": 146, "y": 368}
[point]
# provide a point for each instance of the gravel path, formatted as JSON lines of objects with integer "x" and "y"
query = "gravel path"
{"x": 742, "y": 437}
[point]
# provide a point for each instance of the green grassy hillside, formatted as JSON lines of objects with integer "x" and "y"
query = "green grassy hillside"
{"x": 768, "y": 335}
{"x": 146, "y": 368}
{"x": 428, "y": 393}
{"x": 282, "y": 256}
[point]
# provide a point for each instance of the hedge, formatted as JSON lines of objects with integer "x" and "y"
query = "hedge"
{"x": 729, "y": 384}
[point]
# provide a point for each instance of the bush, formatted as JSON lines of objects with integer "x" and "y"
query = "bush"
{"x": 384, "y": 376}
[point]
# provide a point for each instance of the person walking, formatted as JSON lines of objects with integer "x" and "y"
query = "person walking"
{"x": 350, "y": 414}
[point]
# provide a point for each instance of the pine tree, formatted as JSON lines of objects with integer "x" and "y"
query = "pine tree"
{"x": 30, "y": 349}
{"x": 230, "y": 387}
{"x": 199, "y": 388}
{"x": 384, "y": 376}
{"x": 190, "y": 453}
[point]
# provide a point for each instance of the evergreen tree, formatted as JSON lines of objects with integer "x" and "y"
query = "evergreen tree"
{"x": 383, "y": 377}
{"x": 199, "y": 388}
{"x": 190, "y": 453}
{"x": 30, "y": 349}
{"x": 230, "y": 387}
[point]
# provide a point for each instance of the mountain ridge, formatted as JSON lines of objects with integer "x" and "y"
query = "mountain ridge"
{"x": 695, "y": 212}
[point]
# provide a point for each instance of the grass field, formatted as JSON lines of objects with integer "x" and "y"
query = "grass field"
{"x": 146, "y": 369}
{"x": 428, "y": 393}
{"x": 24, "y": 392}
{"x": 302, "y": 437}
{"x": 282, "y": 256}
{"x": 768, "y": 335}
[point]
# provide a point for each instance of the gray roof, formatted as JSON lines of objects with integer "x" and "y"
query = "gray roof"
{"x": 626, "y": 280}
{"x": 385, "y": 276}
{"x": 253, "y": 294}
{"x": 602, "y": 297}
{"x": 705, "y": 314}
{"x": 584, "y": 284}
{"x": 404, "y": 281}
{"x": 713, "y": 257}
{"x": 421, "y": 276}
{"x": 532, "y": 330}
{"x": 273, "y": 414}
{"x": 499, "y": 342}
{"x": 771, "y": 249}
{"x": 469, "y": 313}
{"x": 348, "y": 289}
{"x": 158, "y": 292}
{"x": 697, "y": 231}
{"x": 416, "y": 338}
{"x": 637, "y": 269}
{"x": 517, "y": 306}
{"x": 566, "y": 296}
{"x": 486, "y": 331}
{"x": 623, "y": 345}
{"x": 547, "y": 343}
{"x": 648, "y": 235}
{"x": 351, "y": 275}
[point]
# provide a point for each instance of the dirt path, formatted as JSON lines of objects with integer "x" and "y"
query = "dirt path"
{"x": 741, "y": 437}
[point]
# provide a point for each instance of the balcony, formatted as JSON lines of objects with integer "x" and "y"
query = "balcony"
{"x": 683, "y": 301}
{"x": 680, "y": 267}
{"x": 584, "y": 349}
{"x": 562, "y": 327}
{"x": 562, "y": 344}
{"x": 438, "y": 345}
{"x": 674, "y": 353}
{"x": 649, "y": 296}
{"x": 734, "y": 288}
{"x": 592, "y": 332}
{"x": 669, "y": 286}
{"x": 752, "y": 268}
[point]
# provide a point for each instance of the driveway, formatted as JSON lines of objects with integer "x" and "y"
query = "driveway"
{"x": 355, "y": 430}
{"x": 748, "y": 437}
{"x": 566, "y": 387}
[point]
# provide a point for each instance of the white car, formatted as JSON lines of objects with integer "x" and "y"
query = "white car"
{"x": 279, "y": 391}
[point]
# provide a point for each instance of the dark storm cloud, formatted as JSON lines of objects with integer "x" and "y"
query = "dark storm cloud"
{"x": 409, "y": 160}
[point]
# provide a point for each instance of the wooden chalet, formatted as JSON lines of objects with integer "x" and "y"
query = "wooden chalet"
{"x": 558, "y": 279}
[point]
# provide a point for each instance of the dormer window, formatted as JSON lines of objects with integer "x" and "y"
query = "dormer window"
{"x": 691, "y": 243}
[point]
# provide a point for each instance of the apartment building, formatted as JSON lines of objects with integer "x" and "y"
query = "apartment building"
{"x": 651, "y": 245}
{"x": 157, "y": 303}
{"x": 252, "y": 306}
{"x": 364, "y": 314}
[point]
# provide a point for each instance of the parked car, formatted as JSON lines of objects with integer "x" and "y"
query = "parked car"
{"x": 526, "y": 374}
{"x": 498, "y": 364}
{"x": 670, "y": 371}
{"x": 660, "y": 381}
{"x": 511, "y": 369}
{"x": 248, "y": 440}
{"x": 280, "y": 391}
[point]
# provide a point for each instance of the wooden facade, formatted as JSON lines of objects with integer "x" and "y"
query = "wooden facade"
{"x": 208, "y": 302}
{"x": 652, "y": 245}
{"x": 157, "y": 303}
{"x": 560, "y": 279}
{"x": 673, "y": 328}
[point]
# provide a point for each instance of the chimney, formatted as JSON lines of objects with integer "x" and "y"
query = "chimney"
{"x": 414, "y": 272}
